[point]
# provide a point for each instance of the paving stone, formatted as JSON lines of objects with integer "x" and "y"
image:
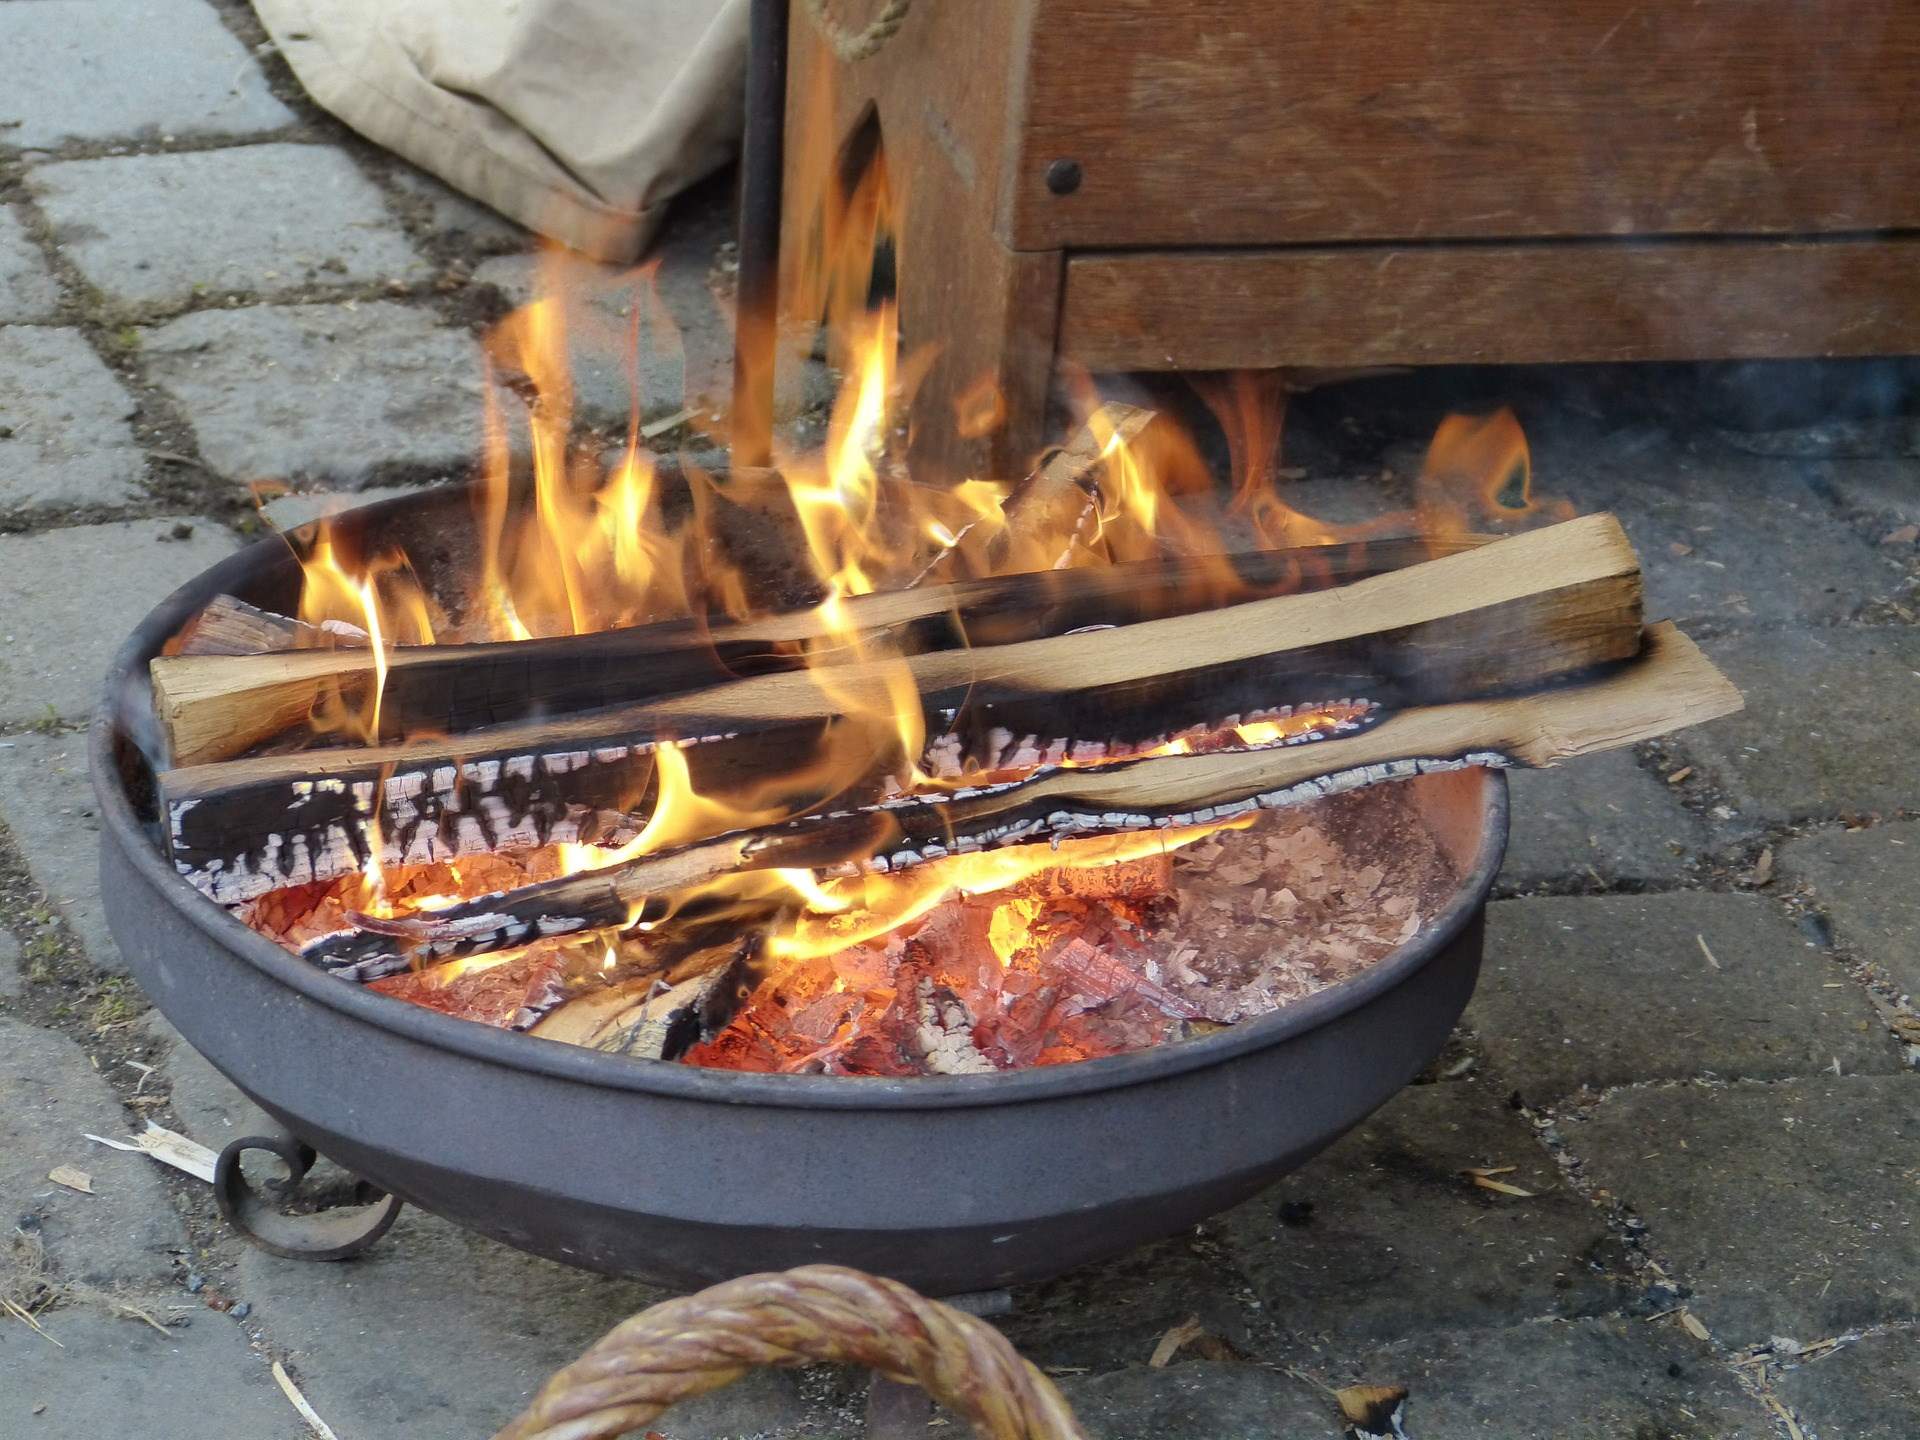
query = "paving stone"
{"x": 69, "y": 597}
{"x": 1596, "y": 1379}
{"x": 47, "y": 805}
{"x": 286, "y": 216}
{"x": 1116, "y": 1312}
{"x": 194, "y": 1382}
{"x": 1219, "y": 1400}
{"x": 1868, "y": 1390}
{"x": 12, "y": 982}
{"x": 1868, "y": 881}
{"x": 323, "y": 393}
{"x": 1835, "y": 439}
{"x": 1789, "y": 1207}
{"x": 51, "y": 1097}
{"x": 1831, "y": 723}
{"x": 1611, "y": 990}
{"x": 28, "y": 290}
{"x": 64, "y": 436}
{"x": 1760, "y": 542}
{"x": 290, "y": 511}
{"x": 1383, "y": 1235}
{"x": 133, "y": 69}
{"x": 508, "y": 1321}
{"x": 449, "y": 213}
{"x": 596, "y": 306}
{"x": 1886, "y": 488}
{"x": 1599, "y": 816}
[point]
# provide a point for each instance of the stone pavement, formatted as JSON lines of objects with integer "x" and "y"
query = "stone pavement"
{"x": 1694, "y": 1044}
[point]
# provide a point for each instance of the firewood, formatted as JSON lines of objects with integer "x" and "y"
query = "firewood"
{"x": 229, "y": 626}
{"x": 216, "y": 706}
{"x": 1059, "y": 503}
{"x": 1668, "y": 686}
{"x": 1508, "y": 616}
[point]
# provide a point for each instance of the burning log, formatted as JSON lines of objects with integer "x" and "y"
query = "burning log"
{"x": 218, "y": 703}
{"x": 1670, "y": 685}
{"x": 1510, "y": 616}
{"x": 230, "y": 627}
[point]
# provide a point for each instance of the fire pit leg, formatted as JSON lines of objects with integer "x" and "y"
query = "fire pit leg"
{"x": 339, "y": 1233}
{"x": 898, "y": 1411}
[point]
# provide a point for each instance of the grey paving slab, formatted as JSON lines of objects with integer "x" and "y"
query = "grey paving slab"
{"x": 1868, "y": 1390}
{"x": 51, "y": 1097}
{"x": 1868, "y": 882}
{"x": 1595, "y": 1379}
{"x": 64, "y": 436}
{"x": 12, "y": 982}
{"x": 1831, "y": 722}
{"x": 1834, "y": 439}
{"x": 1788, "y": 1207}
{"x": 1220, "y": 1400}
{"x": 69, "y": 597}
{"x": 1115, "y": 1313}
{"x": 1612, "y": 990}
{"x": 1600, "y": 817}
{"x": 128, "y": 70}
{"x": 193, "y": 1383}
{"x": 1718, "y": 534}
{"x": 1885, "y": 488}
{"x": 28, "y": 290}
{"x": 289, "y": 511}
{"x": 47, "y": 806}
{"x": 597, "y": 304}
{"x": 330, "y": 394}
{"x": 449, "y": 213}
{"x": 501, "y": 1322}
{"x": 257, "y": 220}
{"x": 1384, "y": 1234}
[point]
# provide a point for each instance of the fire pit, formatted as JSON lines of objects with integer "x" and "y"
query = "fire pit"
{"x": 683, "y": 1175}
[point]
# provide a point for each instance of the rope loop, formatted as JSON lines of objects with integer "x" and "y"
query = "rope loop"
{"x": 816, "y": 1314}
{"x": 852, "y": 46}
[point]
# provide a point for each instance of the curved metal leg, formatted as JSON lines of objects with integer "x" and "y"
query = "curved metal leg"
{"x": 338, "y": 1233}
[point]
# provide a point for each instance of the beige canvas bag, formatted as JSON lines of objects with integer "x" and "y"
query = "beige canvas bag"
{"x": 577, "y": 118}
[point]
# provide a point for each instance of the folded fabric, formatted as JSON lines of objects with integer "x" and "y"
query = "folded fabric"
{"x": 577, "y": 118}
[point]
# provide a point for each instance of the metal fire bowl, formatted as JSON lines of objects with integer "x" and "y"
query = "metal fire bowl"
{"x": 684, "y": 1176}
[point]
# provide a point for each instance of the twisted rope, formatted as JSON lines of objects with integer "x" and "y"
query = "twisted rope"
{"x": 849, "y": 46}
{"x": 819, "y": 1313}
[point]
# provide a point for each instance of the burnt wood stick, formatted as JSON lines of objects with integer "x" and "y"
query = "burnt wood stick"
{"x": 1669, "y": 685}
{"x": 1508, "y": 616}
{"x": 229, "y": 626}
{"x": 214, "y": 707}
{"x": 1056, "y": 504}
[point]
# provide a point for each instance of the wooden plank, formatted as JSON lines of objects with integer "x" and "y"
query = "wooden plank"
{"x": 1670, "y": 685}
{"x": 942, "y": 94}
{"x": 1510, "y": 615}
{"x": 1240, "y": 122}
{"x": 1491, "y": 304}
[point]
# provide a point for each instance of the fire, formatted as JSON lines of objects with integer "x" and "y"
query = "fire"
{"x": 571, "y": 543}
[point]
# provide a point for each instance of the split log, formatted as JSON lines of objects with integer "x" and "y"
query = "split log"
{"x": 1668, "y": 686}
{"x": 216, "y": 706}
{"x": 1059, "y": 503}
{"x": 229, "y": 626}
{"x": 1512, "y": 615}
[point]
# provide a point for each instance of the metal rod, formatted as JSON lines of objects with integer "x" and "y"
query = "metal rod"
{"x": 757, "y": 294}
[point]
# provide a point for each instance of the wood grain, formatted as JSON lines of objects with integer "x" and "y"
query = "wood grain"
{"x": 1668, "y": 686}
{"x": 1233, "y": 122}
{"x": 1522, "y": 612}
{"x": 1490, "y": 304}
